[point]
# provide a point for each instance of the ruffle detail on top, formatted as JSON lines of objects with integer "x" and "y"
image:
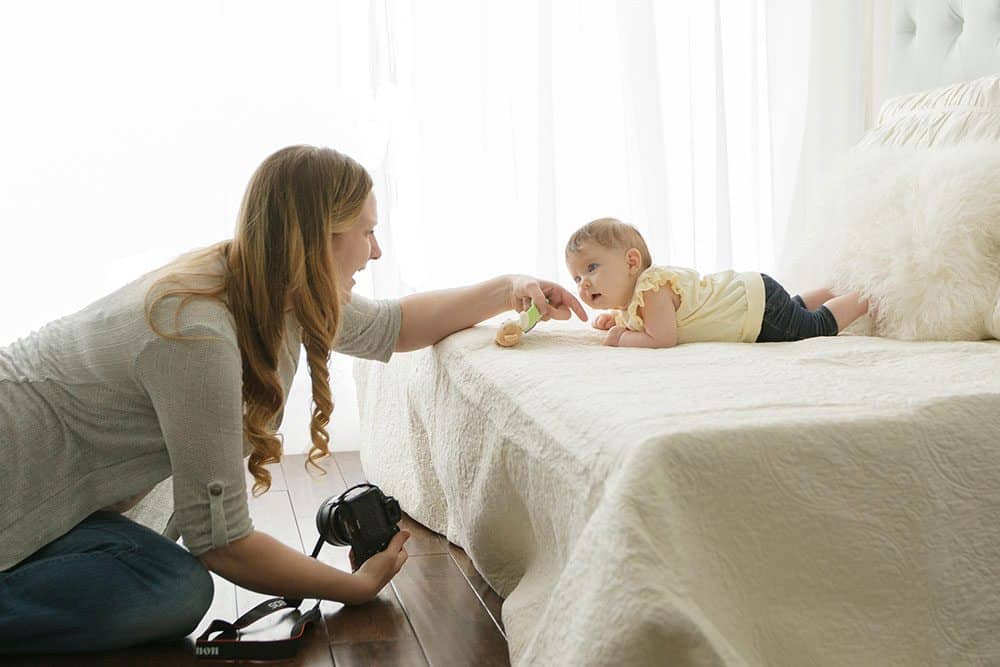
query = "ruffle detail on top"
{"x": 653, "y": 279}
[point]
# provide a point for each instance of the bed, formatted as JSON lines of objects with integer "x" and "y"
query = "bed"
{"x": 825, "y": 502}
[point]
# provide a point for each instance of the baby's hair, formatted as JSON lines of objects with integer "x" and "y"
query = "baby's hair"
{"x": 610, "y": 233}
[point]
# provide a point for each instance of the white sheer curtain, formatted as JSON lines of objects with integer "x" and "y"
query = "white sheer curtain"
{"x": 504, "y": 126}
{"x": 128, "y": 131}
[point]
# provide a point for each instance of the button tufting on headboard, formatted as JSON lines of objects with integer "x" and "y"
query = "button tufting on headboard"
{"x": 938, "y": 42}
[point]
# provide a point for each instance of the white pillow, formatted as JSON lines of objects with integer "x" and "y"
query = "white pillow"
{"x": 918, "y": 231}
{"x": 958, "y": 113}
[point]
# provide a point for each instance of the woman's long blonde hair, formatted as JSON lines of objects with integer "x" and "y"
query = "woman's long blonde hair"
{"x": 279, "y": 261}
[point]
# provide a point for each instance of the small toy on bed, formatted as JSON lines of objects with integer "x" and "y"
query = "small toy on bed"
{"x": 511, "y": 331}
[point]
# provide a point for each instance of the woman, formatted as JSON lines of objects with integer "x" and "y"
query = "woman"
{"x": 183, "y": 373}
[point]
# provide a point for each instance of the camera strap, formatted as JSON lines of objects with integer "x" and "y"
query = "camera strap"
{"x": 227, "y": 645}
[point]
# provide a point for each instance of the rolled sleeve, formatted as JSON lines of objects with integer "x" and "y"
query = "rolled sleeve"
{"x": 196, "y": 390}
{"x": 369, "y": 328}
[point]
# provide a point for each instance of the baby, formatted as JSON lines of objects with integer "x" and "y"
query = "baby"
{"x": 612, "y": 268}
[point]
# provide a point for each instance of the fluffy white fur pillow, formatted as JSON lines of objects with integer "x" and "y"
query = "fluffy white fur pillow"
{"x": 918, "y": 232}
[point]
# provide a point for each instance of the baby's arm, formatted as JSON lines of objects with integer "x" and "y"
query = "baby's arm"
{"x": 660, "y": 320}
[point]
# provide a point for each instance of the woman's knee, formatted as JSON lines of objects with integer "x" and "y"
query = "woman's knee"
{"x": 177, "y": 593}
{"x": 188, "y": 592}
{"x": 180, "y": 585}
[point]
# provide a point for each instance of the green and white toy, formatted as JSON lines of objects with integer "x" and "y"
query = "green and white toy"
{"x": 530, "y": 318}
{"x": 511, "y": 330}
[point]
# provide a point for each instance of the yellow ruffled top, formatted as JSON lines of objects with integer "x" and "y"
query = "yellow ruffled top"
{"x": 725, "y": 306}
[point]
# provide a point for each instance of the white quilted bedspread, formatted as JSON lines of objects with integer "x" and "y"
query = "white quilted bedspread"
{"x": 827, "y": 502}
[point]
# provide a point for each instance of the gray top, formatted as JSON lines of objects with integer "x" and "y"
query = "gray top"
{"x": 96, "y": 409}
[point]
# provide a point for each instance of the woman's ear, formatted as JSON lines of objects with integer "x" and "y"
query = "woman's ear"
{"x": 633, "y": 259}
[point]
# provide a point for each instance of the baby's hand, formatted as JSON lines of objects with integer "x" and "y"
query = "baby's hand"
{"x": 604, "y": 321}
{"x": 614, "y": 335}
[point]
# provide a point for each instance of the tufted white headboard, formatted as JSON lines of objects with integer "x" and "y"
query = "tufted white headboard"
{"x": 937, "y": 42}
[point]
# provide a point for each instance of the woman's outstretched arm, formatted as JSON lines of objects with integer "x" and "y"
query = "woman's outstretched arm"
{"x": 427, "y": 317}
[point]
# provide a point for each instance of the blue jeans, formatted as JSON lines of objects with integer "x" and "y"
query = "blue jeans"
{"x": 786, "y": 318}
{"x": 108, "y": 583}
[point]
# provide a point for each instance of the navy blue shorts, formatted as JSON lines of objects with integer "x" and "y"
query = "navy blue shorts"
{"x": 786, "y": 317}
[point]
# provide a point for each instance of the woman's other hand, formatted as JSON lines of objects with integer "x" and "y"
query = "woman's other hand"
{"x": 553, "y": 301}
{"x": 378, "y": 570}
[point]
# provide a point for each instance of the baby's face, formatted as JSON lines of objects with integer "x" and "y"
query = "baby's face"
{"x": 602, "y": 276}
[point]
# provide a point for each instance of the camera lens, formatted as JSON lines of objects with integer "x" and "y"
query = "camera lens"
{"x": 326, "y": 524}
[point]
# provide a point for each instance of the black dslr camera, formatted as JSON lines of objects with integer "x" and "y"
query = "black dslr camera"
{"x": 365, "y": 521}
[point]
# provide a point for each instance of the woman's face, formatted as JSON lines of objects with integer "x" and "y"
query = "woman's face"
{"x": 352, "y": 249}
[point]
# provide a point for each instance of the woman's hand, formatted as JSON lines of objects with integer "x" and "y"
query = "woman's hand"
{"x": 604, "y": 321}
{"x": 525, "y": 289}
{"x": 378, "y": 570}
{"x": 614, "y": 335}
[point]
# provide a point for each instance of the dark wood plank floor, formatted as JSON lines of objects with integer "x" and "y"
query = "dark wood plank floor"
{"x": 437, "y": 611}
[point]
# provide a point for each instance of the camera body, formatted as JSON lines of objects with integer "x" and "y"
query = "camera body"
{"x": 362, "y": 517}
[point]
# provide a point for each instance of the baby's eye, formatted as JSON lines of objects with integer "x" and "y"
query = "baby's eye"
{"x": 591, "y": 267}
{"x": 576, "y": 279}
